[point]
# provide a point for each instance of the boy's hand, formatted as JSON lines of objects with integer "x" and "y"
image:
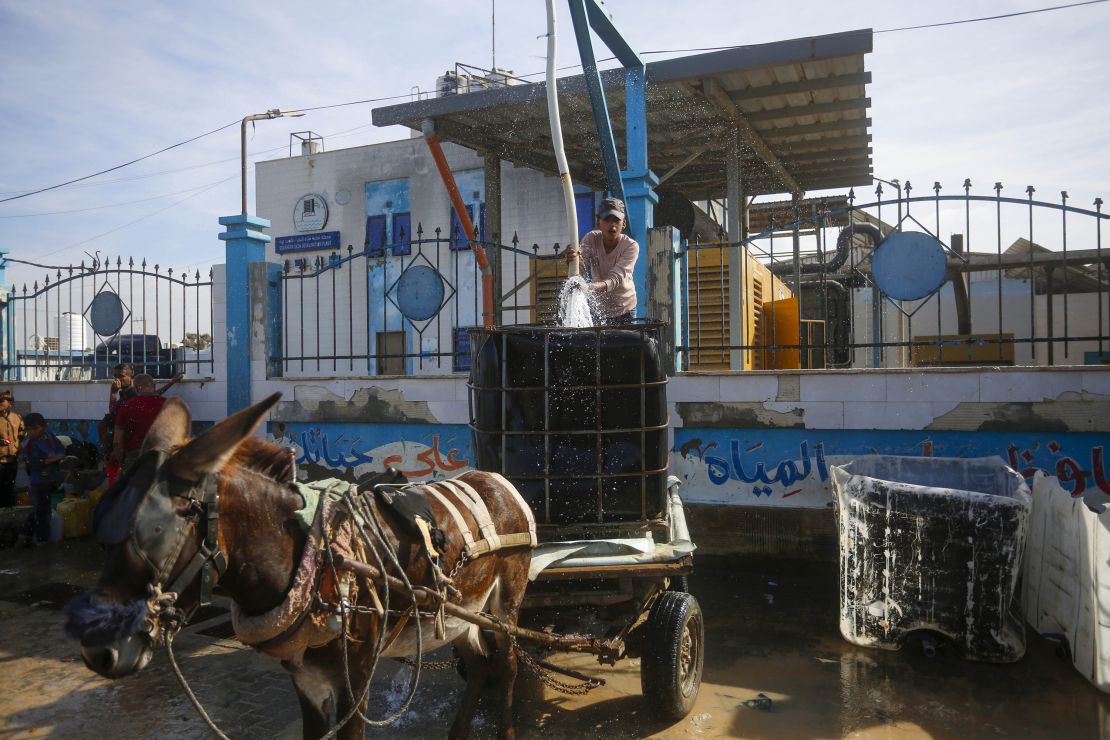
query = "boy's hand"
{"x": 116, "y": 385}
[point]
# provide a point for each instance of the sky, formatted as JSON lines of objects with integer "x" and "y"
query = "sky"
{"x": 89, "y": 86}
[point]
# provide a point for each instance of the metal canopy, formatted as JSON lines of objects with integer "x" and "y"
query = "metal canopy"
{"x": 800, "y": 107}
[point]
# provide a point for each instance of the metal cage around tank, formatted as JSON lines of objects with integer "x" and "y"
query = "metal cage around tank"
{"x": 576, "y": 418}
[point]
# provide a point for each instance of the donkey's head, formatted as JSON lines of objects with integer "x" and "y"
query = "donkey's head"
{"x": 159, "y": 526}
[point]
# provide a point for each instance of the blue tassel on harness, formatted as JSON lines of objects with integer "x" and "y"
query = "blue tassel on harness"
{"x": 99, "y": 624}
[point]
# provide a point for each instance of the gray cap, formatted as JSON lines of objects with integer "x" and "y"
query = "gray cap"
{"x": 611, "y": 207}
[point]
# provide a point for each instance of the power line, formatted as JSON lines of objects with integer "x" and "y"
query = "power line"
{"x": 992, "y": 17}
{"x": 120, "y": 166}
{"x": 112, "y": 205}
{"x": 142, "y": 218}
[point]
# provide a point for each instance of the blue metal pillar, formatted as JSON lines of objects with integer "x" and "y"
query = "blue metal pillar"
{"x": 636, "y": 184}
{"x": 7, "y": 322}
{"x": 244, "y": 244}
{"x": 597, "y": 98}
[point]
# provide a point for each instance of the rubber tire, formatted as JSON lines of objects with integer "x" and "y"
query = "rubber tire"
{"x": 681, "y": 584}
{"x": 674, "y": 617}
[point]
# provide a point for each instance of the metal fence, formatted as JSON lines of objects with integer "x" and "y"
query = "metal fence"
{"x": 79, "y": 322}
{"x": 902, "y": 281}
{"x": 404, "y": 308}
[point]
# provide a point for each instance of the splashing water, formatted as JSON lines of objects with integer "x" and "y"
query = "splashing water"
{"x": 575, "y": 304}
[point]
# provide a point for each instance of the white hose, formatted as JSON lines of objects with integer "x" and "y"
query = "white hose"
{"x": 557, "y": 140}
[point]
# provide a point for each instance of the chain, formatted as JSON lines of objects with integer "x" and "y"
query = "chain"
{"x": 465, "y": 556}
{"x": 545, "y": 676}
{"x": 431, "y": 665}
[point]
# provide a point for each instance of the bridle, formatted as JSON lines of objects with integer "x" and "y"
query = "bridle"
{"x": 158, "y": 534}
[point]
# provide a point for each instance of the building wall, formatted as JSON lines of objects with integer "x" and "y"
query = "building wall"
{"x": 532, "y": 210}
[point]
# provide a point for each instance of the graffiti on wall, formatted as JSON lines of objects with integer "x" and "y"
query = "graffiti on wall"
{"x": 790, "y": 467}
{"x": 420, "y": 451}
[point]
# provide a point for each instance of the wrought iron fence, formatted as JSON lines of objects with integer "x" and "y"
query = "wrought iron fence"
{"x": 405, "y": 308}
{"x": 902, "y": 281}
{"x": 78, "y": 323}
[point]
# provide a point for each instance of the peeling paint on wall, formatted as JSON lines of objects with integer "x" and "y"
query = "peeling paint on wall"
{"x": 738, "y": 415}
{"x": 371, "y": 405}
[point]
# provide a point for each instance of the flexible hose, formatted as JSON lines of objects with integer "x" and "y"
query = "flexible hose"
{"x": 557, "y": 141}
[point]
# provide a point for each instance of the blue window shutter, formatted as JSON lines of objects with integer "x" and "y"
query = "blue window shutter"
{"x": 375, "y": 236}
{"x": 584, "y": 206}
{"x": 402, "y": 234}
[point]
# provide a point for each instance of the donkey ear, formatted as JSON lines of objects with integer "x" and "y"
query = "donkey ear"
{"x": 171, "y": 428}
{"x": 209, "y": 452}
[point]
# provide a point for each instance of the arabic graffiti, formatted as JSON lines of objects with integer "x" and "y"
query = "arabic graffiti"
{"x": 1072, "y": 475}
{"x": 337, "y": 452}
{"x": 417, "y": 450}
{"x": 786, "y": 473}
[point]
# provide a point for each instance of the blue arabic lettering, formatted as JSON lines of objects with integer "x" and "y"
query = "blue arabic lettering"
{"x": 316, "y": 447}
{"x": 787, "y": 473}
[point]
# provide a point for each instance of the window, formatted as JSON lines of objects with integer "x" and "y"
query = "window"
{"x": 375, "y": 235}
{"x": 460, "y": 352}
{"x": 388, "y": 218}
{"x": 458, "y": 236}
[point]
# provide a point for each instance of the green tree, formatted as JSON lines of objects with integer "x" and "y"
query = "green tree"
{"x": 197, "y": 341}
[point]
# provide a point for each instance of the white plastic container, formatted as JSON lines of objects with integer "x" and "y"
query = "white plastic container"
{"x": 1066, "y": 586}
{"x": 930, "y": 548}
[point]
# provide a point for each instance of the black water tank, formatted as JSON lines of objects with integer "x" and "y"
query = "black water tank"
{"x": 575, "y": 418}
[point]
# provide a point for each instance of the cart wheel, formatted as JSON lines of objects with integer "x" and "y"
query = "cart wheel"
{"x": 681, "y": 584}
{"x": 671, "y": 667}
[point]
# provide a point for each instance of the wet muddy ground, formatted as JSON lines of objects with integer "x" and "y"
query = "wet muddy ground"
{"x": 771, "y": 629}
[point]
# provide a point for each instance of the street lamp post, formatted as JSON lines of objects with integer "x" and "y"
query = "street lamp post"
{"x": 273, "y": 113}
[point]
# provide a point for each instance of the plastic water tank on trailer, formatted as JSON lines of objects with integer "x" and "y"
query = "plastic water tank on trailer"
{"x": 931, "y": 548}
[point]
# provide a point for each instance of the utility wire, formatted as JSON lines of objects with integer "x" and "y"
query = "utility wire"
{"x": 120, "y": 166}
{"x": 533, "y": 74}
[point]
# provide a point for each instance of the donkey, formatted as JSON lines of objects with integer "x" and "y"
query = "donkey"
{"x": 258, "y": 553}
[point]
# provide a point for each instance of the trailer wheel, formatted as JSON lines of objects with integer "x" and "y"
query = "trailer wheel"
{"x": 673, "y": 656}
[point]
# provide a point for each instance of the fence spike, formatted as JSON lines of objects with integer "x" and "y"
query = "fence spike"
{"x": 998, "y": 190}
{"x": 907, "y": 187}
{"x": 879, "y": 191}
{"x": 419, "y": 230}
{"x": 119, "y": 262}
{"x": 516, "y": 239}
{"x": 851, "y": 199}
{"x": 197, "y": 276}
{"x": 144, "y": 263}
{"x": 936, "y": 187}
{"x": 1064, "y": 197}
{"x": 350, "y": 249}
{"x": 156, "y": 269}
{"x": 130, "y": 261}
{"x": 967, "y": 185}
{"x": 1029, "y": 190}
{"x": 1098, "y": 204}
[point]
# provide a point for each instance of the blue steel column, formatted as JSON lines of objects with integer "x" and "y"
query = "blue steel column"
{"x": 597, "y": 99}
{"x": 638, "y": 180}
{"x": 244, "y": 244}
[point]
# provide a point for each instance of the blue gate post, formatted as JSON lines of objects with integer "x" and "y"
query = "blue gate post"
{"x": 244, "y": 244}
{"x": 7, "y": 324}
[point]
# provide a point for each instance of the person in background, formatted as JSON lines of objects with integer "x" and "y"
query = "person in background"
{"x": 11, "y": 435}
{"x": 122, "y": 390}
{"x": 42, "y": 453}
{"x": 133, "y": 420}
{"x": 609, "y": 255}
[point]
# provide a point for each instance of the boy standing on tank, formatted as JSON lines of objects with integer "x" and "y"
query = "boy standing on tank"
{"x": 42, "y": 453}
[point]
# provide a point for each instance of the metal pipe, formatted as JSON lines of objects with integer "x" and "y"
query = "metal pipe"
{"x": 274, "y": 113}
{"x": 557, "y": 142}
{"x": 427, "y": 126}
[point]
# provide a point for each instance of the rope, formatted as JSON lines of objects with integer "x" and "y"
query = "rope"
{"x": 189, "y": 692}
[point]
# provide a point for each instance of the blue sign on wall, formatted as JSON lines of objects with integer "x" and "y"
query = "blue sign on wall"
{"x": 307, "y": 242}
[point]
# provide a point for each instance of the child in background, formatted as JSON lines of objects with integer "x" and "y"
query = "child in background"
{"x": 42, "y": 453}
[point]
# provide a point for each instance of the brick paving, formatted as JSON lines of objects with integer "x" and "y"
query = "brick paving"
{"x": 768, "y": 631}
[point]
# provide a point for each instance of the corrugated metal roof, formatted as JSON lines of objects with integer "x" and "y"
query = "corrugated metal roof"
{"x": 800, "y": 105}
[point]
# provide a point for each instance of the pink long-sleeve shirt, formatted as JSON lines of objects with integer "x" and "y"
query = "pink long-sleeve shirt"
{"x": 612, "y": 268}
